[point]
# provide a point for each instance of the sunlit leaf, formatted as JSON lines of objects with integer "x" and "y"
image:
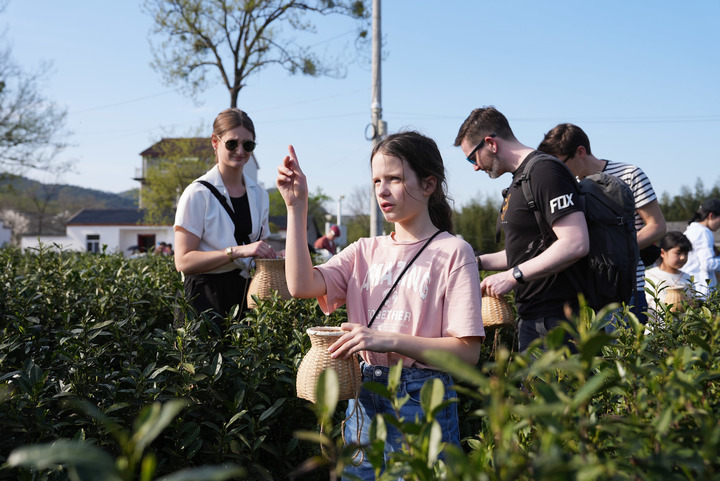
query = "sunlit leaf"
{"x": 44, "y": 456}
{"x": 207, "y": 473}
{"x": 153, "y": 424}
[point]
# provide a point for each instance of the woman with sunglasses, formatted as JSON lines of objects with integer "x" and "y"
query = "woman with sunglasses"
{"x": 221, "y": 221}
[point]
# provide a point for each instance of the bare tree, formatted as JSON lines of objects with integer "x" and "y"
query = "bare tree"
{"x": 31, "y": 127}
{"x": 237, "y": 38}
{"x": 17, "y": 221}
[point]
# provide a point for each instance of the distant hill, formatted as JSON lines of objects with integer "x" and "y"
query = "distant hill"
{"x": 16, "y": 192}
{"x": 29, "y": 207}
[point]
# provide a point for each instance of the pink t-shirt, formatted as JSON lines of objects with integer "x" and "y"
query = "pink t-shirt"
{"x": 439, "y": 295}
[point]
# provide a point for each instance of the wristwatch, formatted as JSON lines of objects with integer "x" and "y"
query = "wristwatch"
{"x": 229, "y": 253}
{"x": 518, "y": 275}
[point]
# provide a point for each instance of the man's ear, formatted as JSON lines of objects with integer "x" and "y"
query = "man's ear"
{"x": 429, "y": 185}
{"x": 580, "y": 151}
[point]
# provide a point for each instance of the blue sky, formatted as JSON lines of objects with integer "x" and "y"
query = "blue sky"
{"x": 641, "y": 78}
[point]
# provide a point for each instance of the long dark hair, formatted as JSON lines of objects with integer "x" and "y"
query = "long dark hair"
{"x": 423, "y": 156}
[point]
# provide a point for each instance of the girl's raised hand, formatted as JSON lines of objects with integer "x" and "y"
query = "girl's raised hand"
{"x": 291, "y": 181}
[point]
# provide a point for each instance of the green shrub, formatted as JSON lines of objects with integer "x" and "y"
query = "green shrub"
{"x": 628, "y": 406}
{"x": 102, "y": 330}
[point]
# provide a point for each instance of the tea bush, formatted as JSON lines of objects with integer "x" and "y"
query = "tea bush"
{"x": 101, "y": 329}
{"x": 627, "y": 406}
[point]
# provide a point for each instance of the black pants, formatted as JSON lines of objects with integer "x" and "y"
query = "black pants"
{"x": 531, "y": 329}
{"x": 218, "y": 292}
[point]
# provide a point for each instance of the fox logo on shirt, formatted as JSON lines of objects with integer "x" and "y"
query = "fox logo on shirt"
{"x": 561, "y": 202}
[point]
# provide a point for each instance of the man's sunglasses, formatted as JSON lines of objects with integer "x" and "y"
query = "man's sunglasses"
{"x": 471, "y": 158}
{"x": 232, "y": 144}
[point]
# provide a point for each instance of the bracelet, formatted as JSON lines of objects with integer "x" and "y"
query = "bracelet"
{"x": 479, "y": 261}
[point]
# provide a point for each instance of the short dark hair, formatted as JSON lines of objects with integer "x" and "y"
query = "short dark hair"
{"x": 564, "y": 139}
{"x": 673, "y": 239}
{"x": 483, "y": 122}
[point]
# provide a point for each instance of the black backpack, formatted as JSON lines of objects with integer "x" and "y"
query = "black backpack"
{"x": 608, "y": 273}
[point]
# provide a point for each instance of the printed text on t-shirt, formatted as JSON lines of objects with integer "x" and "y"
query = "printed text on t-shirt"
{"x": 561, "y": 202}
{"x": 415, "y": 279}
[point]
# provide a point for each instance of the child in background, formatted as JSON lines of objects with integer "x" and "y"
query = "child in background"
{"x": 435, "y": 306}
{"x": 704, "y": 263}
{"x": 674, "y": 248}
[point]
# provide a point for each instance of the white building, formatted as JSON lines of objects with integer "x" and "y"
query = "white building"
{"x": 111, "y": 230}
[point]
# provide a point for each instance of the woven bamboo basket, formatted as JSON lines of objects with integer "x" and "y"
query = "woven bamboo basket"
{"x": 674, "y": 296}
{"x": 496, "y": 312}
{"x": 318, "y": 359}
{"x": 269, "y": 276}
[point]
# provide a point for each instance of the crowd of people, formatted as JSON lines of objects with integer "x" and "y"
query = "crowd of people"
{"x": 418, "y": 289}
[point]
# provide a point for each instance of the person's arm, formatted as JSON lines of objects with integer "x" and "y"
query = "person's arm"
{"x": 496, "y": 261}
{"x": 360, "y": 338}
{"x": 571, "y": 245}
{"x": 654, "y": 227}
{"x": 303, "y": 281}
{"x": 190, "y": 260}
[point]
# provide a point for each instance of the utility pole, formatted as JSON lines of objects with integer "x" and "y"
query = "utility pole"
{"x": 379, "y": 127}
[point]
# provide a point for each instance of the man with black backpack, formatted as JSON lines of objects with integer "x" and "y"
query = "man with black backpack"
{"x": 571, "y": 145}
{"x": 536, "y": 269}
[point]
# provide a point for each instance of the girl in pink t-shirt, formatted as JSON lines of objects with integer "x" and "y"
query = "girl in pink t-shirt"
{"x": 435, "y": 305}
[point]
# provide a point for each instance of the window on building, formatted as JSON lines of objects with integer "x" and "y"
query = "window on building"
{"x": 93, "y": 242}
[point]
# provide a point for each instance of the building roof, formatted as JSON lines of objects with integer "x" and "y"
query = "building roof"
{"x": 182, "y": 146}
{"x": 107, "y": 217}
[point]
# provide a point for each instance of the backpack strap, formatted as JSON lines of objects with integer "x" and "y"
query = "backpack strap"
{"x": 498, "y": 223}
{"x": 240, "y": 239}
{"x": 524, "y": 182}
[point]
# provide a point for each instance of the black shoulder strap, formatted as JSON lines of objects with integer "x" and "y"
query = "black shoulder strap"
{"x": 524, "y": 182}
{"x": 407, "y": 266}
{"x": 223, "y": 201}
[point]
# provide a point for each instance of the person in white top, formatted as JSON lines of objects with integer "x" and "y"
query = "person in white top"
{"x": 221, "y": 221}
{"x": 703, "y": 262}
{"x": 674, "y": 249}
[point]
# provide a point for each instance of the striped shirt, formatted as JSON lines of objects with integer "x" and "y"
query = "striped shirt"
{"x": 643, "y": 192}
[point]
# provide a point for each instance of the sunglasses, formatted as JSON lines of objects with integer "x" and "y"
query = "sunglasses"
{"x": 471, "y": 158}
{"x": 232, "y": 144}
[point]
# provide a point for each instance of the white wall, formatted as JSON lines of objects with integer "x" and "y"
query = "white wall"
{"x": 117, "y": 238}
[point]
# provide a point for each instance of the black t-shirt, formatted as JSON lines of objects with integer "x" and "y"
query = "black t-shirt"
{"x": 241, "y": 207}
{"x": 557, "y": 195}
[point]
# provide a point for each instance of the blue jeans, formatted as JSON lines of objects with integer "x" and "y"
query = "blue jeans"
{"x": 638, "y": 306}
{"x": 369, "y": 405}
{"x": 614, "y": 320}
